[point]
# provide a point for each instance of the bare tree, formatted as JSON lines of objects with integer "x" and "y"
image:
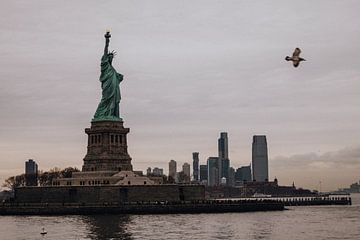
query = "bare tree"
{"x": 14, "y": 182}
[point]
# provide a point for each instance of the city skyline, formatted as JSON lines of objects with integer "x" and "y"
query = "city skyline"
{"x": 190, "y": 72}
{"x": 218, "y": 170}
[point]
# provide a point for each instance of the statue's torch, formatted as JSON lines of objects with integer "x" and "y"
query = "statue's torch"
{"x": 107, "y": 34}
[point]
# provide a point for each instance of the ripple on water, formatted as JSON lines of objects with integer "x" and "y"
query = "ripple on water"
{"x": 330, "y": 222}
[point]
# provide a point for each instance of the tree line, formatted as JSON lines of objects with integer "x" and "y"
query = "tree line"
{"x": 44, "y": 178}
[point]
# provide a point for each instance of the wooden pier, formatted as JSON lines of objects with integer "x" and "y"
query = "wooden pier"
{"x": 309, "y": 201}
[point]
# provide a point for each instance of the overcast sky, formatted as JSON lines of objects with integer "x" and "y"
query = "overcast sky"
{"x": 191, "y": 70}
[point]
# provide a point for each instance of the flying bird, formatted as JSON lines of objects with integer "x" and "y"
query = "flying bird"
{"x": 296, "y": 59}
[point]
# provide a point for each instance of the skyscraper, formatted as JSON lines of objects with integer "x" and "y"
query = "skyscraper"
{"x": 213, "y": 171}
{"x": 223, "y": 145}
{"x": 172, "y": 169}
{"x": 260, "y": 170}
{"x": 196, "y": 166}
{"x": 186, "y": 171}
{"x": 225, "y": 167}
{"x": 203, "y": 173}
{"x": 224, "y": 162}
{"x": 231, "y": 180}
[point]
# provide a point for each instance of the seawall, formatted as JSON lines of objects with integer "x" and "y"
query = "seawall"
{"x": 209, "y": 206}
{"x": 106, "y": 194}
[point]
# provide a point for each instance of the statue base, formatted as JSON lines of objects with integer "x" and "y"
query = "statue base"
{"x": 108, "y": 118}
{"x": 107, "y": 146}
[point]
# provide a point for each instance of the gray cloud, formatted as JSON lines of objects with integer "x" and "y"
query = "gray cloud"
{"x": 347, "y": 157}
{"x": 322, "y": 171}
{"x": 192, "y": 69}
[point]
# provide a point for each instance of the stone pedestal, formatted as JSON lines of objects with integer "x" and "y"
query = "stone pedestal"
{"x": 107, "y": 147}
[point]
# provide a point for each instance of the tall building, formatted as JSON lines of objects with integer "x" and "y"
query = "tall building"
{"x": 196, "y": 166}
{"x": 31, "y": 167}
{"x": 231, "y": 181}
{"x": 223, "y": 145}
{"x": 31, "y": 173}
{"x": 172, "y": 169}
{"x": 224, "y": 162}
{"x": 186, "y": 171}
{"x": 203, "y": 173}
{"x": 148, "y": 171}
{"x": 260, "y": 170}
{"x": 243, "y": 174}
{"x": 225, "y": 167}
{"x": 213, "y": 171}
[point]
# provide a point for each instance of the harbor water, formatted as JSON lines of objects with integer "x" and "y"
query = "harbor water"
{"x": 301, "y": 222}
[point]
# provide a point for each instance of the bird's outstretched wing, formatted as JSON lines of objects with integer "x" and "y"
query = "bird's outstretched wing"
{"x": 296, "y": 52}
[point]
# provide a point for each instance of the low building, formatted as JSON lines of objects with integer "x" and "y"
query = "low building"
{"x": 355, "y": 188}
{"x": 158, "y": 171}
{"x": 243, "y": 174}
{"x": 100, "y": 178}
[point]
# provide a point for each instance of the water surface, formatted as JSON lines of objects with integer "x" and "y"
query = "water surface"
{"x": 306, "y": 222}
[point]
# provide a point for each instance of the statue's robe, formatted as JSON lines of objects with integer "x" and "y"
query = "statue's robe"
{"x": 108, "y": 108}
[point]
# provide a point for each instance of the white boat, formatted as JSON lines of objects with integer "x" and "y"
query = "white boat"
{"x": 261, "y": 195}
{"x": 43, "y": 232}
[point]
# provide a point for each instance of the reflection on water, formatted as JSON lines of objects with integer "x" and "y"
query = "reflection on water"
{"x": 306, "y": 222}
{"x": 262, "y": 229}
{"x": 107, "y": 226}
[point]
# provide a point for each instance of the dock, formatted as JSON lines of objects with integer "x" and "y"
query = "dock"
{"x": 312, "y": 201}
{"x": 307, "y": 201}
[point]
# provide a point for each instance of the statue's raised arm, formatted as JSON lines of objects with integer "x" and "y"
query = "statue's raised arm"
{"x": 107, "y": 41}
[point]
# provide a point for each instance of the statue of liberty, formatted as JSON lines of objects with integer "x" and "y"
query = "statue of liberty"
{"x": 108, "y": 108}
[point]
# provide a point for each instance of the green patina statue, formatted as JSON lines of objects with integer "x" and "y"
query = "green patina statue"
{"x": 108, "y": 109}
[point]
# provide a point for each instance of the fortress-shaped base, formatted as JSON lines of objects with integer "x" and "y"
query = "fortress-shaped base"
{"x": 107, "y": 147}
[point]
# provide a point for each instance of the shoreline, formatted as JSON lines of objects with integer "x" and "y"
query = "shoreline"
{"x": 206, "y": 206}
{"x": 165, "y": 207}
